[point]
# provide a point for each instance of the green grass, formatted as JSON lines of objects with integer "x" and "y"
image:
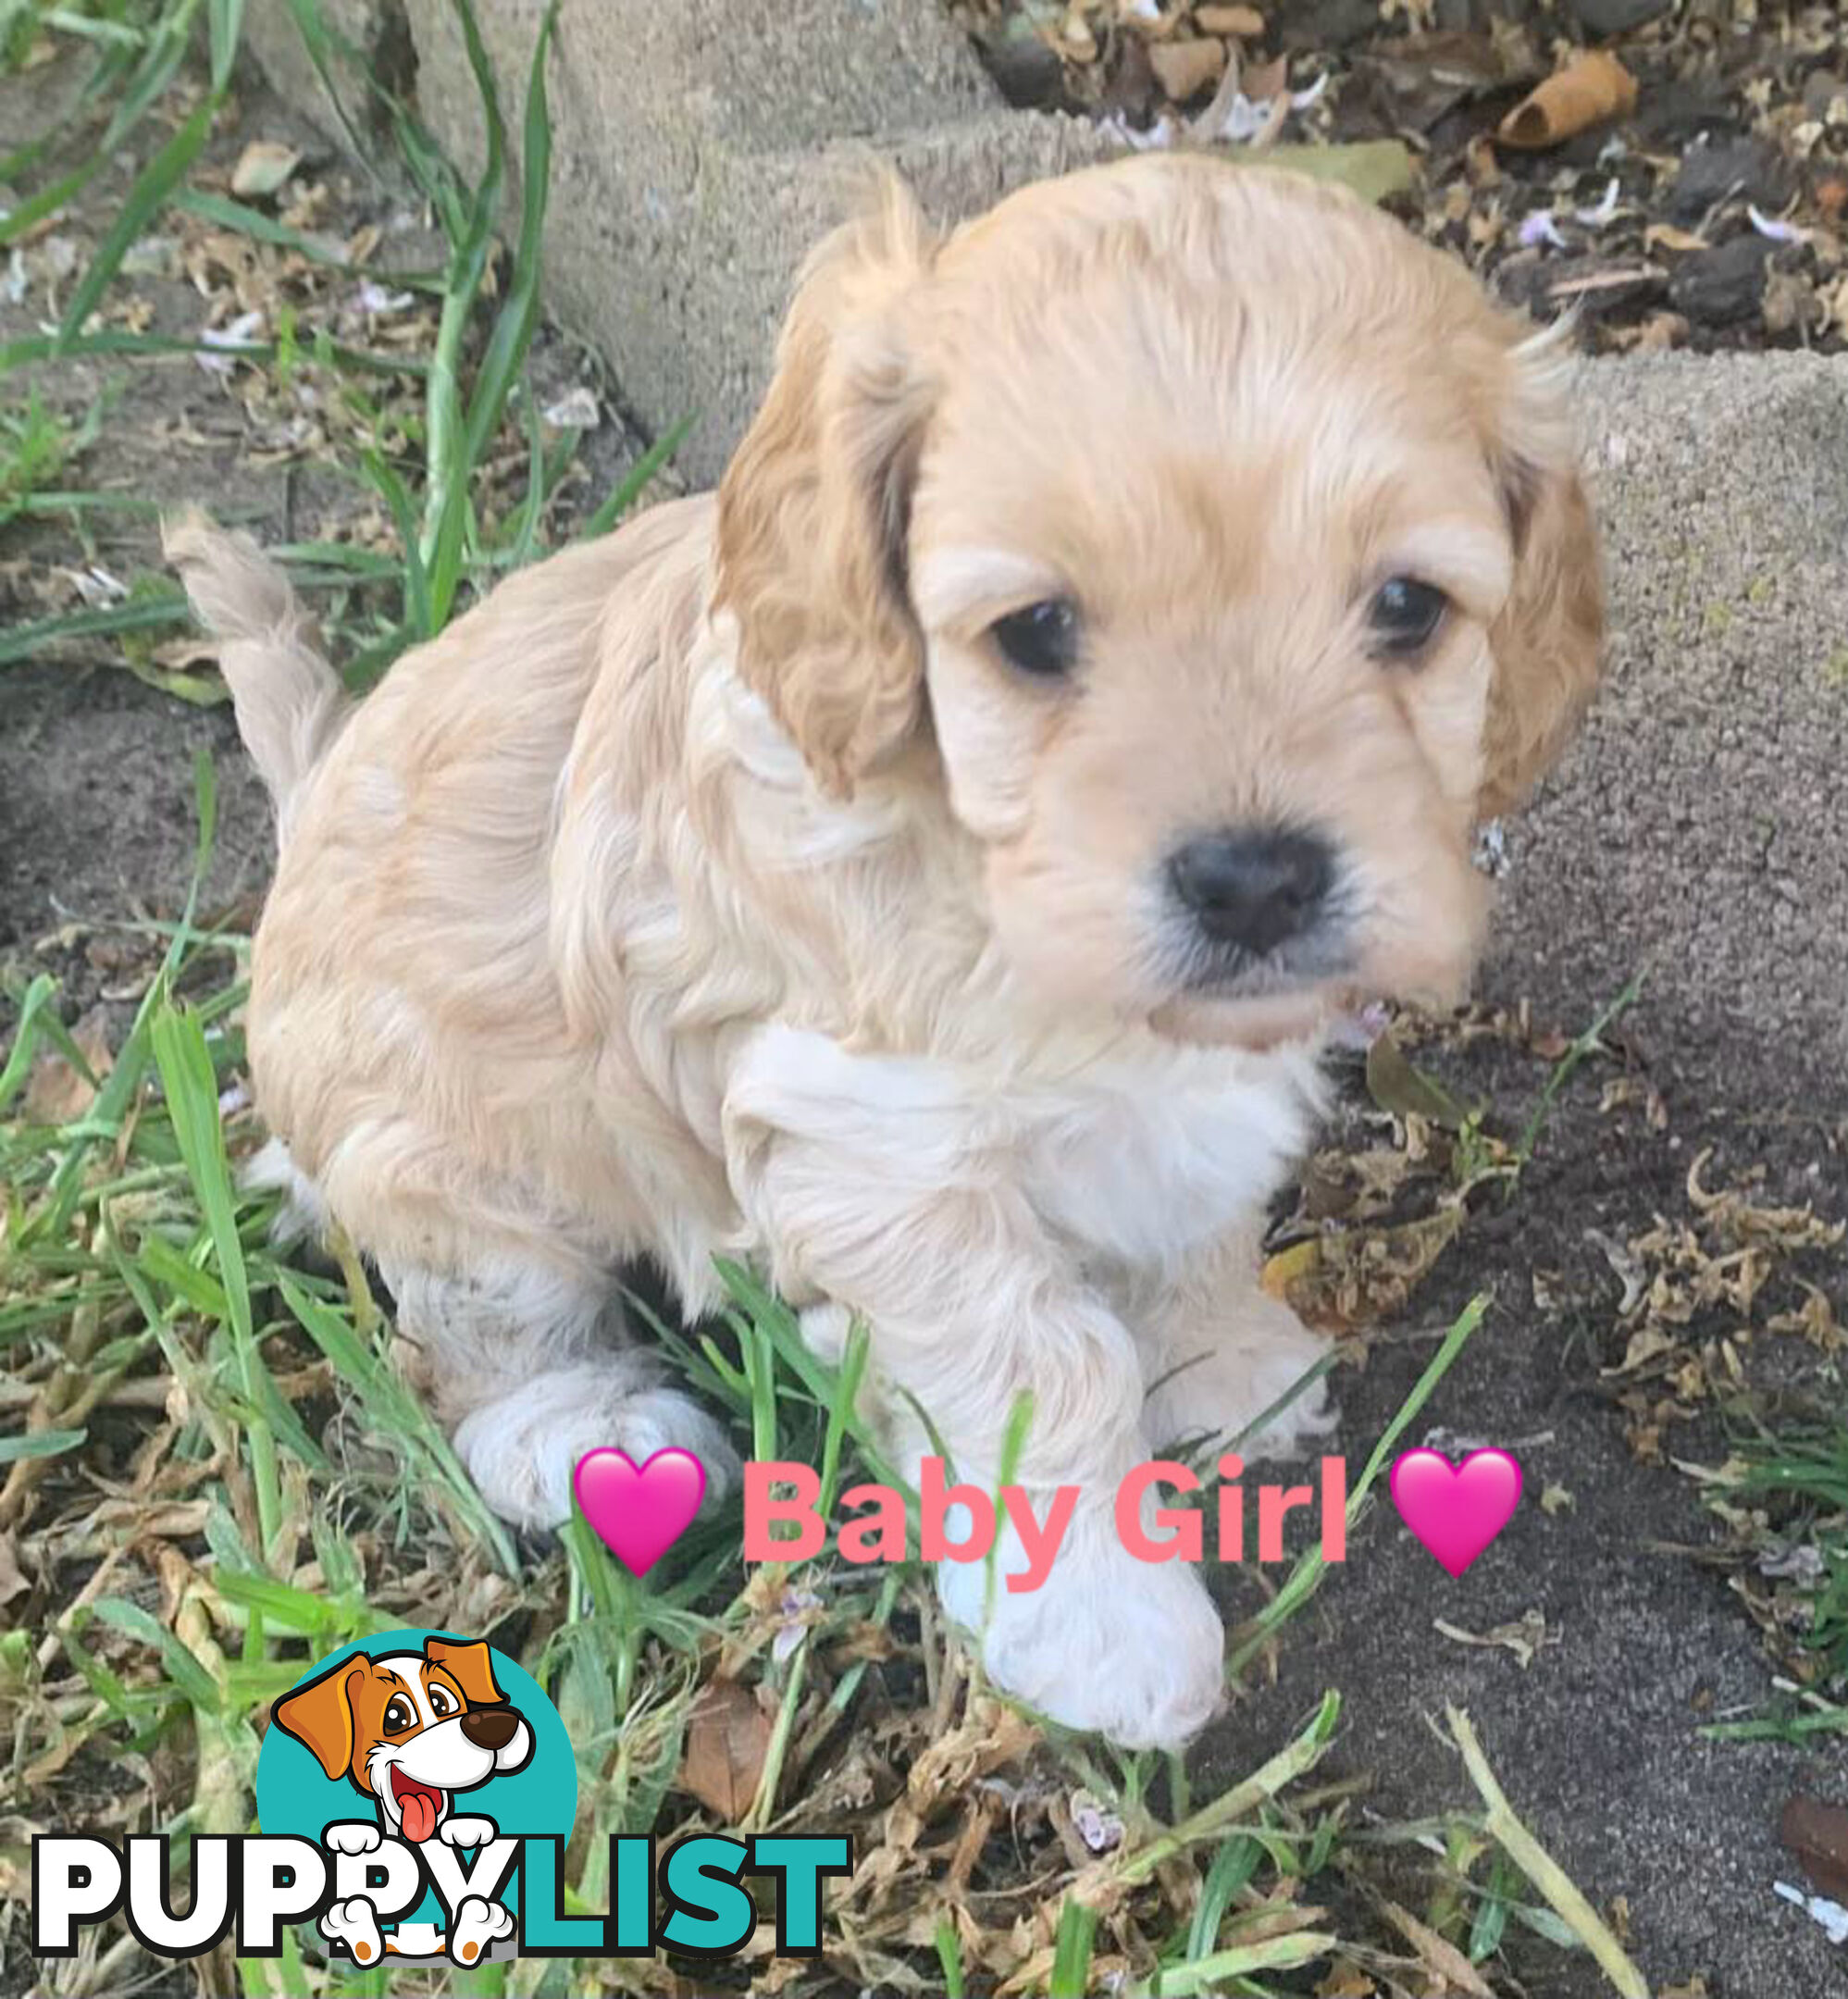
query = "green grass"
{"x": 131, "y": 1258}
{"x": 425, "y": 458}
{"x": 273, "y": 1490}
{"x": 1806, "y": 1469}
{"x": 1797, "y": 1472}
{"x": 37, "y": 445}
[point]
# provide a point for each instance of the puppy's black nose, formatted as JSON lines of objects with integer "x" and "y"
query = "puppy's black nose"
{"x": 490, "y": 1728}
{"x": 1256, "y": 889}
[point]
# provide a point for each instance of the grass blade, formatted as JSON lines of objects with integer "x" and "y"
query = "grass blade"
{"x": 226, "y": 214}
{"x": 322, "y": 44}
{"x": 446, "y": 508}
{"x": 26, "y": 642}
{"x": 39, "y": 996}
{"x": 225, "y": 25}
{"x": 398, "y": 1410}
{"x": 192, "y": 1087}
{"x": 1071, "y": 1975}
{"x": 145, "y": 202}
{"x": 40, "y": 1444}
{"x": 1541, "y": 1869}
{"x": 635, "y": 481}
{"x": 1302, "y": 1580}
{"x": 56, "y": 347}
{"x": 513, "y": 333}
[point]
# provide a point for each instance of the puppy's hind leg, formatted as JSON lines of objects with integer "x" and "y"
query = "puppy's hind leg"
{"x": 528, "y": 1368}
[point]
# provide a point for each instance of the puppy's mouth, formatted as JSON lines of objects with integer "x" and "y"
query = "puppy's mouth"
{"x": 1257, "y": 1021}
{"x": 1234, "y": 998}
{"x": 420, "y": 1805}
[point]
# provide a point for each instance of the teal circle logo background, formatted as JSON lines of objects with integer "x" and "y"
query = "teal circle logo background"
{"x": 295, "y": 1795}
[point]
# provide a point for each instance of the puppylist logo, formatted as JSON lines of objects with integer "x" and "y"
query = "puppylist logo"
{"x": 416, "y": 1794}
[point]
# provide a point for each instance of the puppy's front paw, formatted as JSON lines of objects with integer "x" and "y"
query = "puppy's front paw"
{"x": 1219, "y": 1378}
{"x": 522, "y": 1450}
{"x": 354, "y": 1836}
{"x": 1133, "y": 1650}
{"x": 466, "y": 1832}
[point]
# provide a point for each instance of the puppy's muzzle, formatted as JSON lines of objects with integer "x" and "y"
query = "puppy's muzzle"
{"x": 490, "y": 1728}
{"x": 1252, "y": 891}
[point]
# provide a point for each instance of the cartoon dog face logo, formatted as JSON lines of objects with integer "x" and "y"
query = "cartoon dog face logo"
{"x": 410, "y": 1730}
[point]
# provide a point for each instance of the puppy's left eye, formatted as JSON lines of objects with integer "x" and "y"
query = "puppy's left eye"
{"x": 1042, "y": 639}
{"x": 443, "y": 1702}
{"x": 1405, "y": 614}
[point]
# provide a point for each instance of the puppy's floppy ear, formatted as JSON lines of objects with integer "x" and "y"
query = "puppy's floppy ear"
{"x": 813, "y": 508}
{"x": 319, "y": 1716}
{"x": 472, "y": 1667}
{"x": 1549, "y": 638}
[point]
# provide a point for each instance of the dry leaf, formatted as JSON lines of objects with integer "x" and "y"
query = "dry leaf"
{"x": 1076, "y": 38}
{"x": 264, "y": 166}
{"x": 1265, "y": 81}
{"x": 1395, "y": 1085}
{"x": 1815, "y": 1320}
{"x": 1556, "y": 1500}
{"x": 1347, "y": 1279}
{"x": 59, "y": 1093}
{"x": 1244, "y": 21}
{"x": 1818, "y": 1834}
{"x": 1185, "y": 69}
{"x": 1452, "y": 1971}
{"x": 1787, "y": 1228}
{"x": 1526, "y": 1637}
{"x": 728, "y": 1741}
{"x": 1355, "y": 1186}
{"x": 1647, "y": 1344}
{"x": 1591, "y": 88}
{"x": 12, "y": 1582}
{"x": 1666, "y": 236}
{"x": 185, "y": 655}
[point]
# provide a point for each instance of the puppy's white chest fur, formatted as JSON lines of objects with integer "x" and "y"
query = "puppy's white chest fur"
{"x": 1154, "y": 1152}
{"x": 1134, "y": 1150}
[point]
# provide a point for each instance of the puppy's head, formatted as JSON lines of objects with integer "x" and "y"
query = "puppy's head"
{"x": 1220, "y": 546}
{"x": 410, "y": 1729}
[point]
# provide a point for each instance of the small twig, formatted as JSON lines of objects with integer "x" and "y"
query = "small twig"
{"x": 1541, "y": 1869}
{"x": 146, "y": 1391}
{"x": 88, "y": 1594}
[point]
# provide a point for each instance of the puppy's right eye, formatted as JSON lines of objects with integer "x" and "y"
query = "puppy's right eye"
{"x": 1042, "y": 639}
{"x": 1405, "y": 614}
{"x": 399, "y": 1715}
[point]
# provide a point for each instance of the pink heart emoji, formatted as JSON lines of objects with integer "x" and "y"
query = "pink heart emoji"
{"x": 640, "y": 1514}
{"x": 1456, "y": 1510}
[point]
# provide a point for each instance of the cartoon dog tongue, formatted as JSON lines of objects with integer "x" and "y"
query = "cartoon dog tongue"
{"x": 417, "y": 1803}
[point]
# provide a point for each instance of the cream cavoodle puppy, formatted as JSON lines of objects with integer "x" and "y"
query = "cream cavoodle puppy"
{"x": 924, "y": 867}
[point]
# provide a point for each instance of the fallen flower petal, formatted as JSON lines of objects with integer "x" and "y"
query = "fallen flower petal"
{"x": 1830, "y": 1915}
{"x": 1596, "y": 218}
{"x": 1776, "y": 231}
{"x": 1540, "y": 227}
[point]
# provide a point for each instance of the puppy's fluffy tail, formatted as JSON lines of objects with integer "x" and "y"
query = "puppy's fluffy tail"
{"x": 290, "y": 701}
